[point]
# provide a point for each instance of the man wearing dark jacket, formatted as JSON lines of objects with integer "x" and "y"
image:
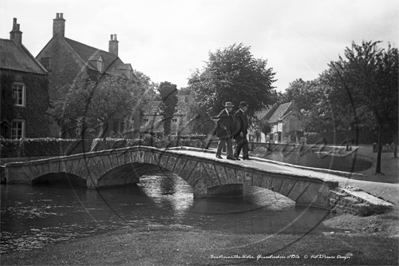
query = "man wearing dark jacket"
{"x": 224, "y": 131}
{"x": 241, "y": 133}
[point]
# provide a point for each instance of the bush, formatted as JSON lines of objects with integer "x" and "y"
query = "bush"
{"x": 149, "y": 140}
{"x": 111, "y": 143}
{"x": 42, "y": 147}
{"x": 188, "y": 137}
{"x": 313, "y": 137}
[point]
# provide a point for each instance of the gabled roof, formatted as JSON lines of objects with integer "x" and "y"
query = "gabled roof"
{"x": 18, "y": 58}
{"x": 280, "y": 112}
{"x": 266, "y": 111}
{"x": 275, "y": 112}
{"x": 90, "y": 55}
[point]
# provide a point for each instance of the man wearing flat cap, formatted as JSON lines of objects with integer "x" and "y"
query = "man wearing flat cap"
{"x": 240, "y": 135}
{"x": 225, "y": 129}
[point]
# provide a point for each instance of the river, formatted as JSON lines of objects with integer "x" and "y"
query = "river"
{"x": 33, "y": 217}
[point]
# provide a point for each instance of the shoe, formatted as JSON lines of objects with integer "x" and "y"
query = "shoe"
{"x": 231, "y": 158}
{"x": 236, "y": 157}
{"x": 246, "y": 158}
{"x": 219, "y": 157}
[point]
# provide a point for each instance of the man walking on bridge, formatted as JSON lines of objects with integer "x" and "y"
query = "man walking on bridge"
{"x": 224, "y": 131}
{"x": 241, "y": 133}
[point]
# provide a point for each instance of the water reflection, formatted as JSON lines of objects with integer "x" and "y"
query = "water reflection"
{"x": 36, "y": 216}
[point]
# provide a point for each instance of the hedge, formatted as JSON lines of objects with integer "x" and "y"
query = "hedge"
{"x": 148, "y": 140}
{"x": 42, "y": 147}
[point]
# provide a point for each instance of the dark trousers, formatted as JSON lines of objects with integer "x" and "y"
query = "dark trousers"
{"x": 222, "y": 143}
{"x": 241, "y": 144}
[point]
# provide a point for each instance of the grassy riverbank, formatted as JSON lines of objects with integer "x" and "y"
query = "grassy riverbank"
{"x": 389, "y": 166}
{"x": 347, "y": 239}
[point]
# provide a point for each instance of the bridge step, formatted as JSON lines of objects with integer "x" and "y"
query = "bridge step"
{"x": 356, "y": 201}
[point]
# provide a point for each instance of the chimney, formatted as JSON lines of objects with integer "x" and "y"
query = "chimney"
{"x": 59, "y": 25}
{"x": 16, "y": 34}
{"x": 113, "y": 45}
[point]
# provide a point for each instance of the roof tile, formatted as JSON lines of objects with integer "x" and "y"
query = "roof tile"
{"x": 18, "y": 58}
{"x": 90, "y": 55}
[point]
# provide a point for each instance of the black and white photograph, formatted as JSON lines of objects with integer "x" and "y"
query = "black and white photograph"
{"x": 199, "y": 132}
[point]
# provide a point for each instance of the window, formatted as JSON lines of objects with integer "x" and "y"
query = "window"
{"x": 100, "y": 64}
{"x": 174, "y": 120}
{"x": 18, "y": 129}
{"x": 146, "y": 120}
{"x": 18, "y": 90}
{"x": 46, "y": 62}
{"x": 119, "y": 126}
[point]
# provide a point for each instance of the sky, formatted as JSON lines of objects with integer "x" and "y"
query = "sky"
{"x": 168, "y": 40}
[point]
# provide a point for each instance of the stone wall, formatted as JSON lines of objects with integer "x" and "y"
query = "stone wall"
{"x": 356, "y": 201}
{"x": 37, "y": 101}
{"x": 65, "y": 68}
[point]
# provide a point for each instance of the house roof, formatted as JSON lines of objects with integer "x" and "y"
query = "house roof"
{"x": 90, "y": 55}
{"x": 280, "y": 112}
{"x": 262, "y": 113}
{"x": 152, "y": 107}
{"x": 275, "y": 112}
{"x": 18, "y": 58}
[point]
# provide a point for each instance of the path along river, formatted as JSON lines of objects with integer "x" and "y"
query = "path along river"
{"x": 33, "y": 217}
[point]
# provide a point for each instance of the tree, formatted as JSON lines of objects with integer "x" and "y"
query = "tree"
{"x": 233, "y": 74}
{"x": 185, "y": 91}
{"x": 168, "y": 93}
{"x": 147, "y": 85}
{"x": 337, "y": 105}
{"x": 89, "y": 105}
{"x": 305, "y": 94}
{"x": 264, "y": 127}
{"x": 372, "y": 75}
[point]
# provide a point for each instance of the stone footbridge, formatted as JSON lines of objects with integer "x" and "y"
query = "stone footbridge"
{"x": 199, "y": 168}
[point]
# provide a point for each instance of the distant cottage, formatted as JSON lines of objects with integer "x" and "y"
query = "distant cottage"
{"x": 286, "y": 123}
{"x": 66, "y": 60}
{"x": 24, "y": 90}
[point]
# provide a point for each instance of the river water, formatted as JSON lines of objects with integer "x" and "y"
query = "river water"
{"x": 33, "y": 217}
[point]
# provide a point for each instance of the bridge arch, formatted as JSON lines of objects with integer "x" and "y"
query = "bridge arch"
{"x": 124, "y": 166}
{"x": 59, "y": 179}
{"x": 127, "y": 174}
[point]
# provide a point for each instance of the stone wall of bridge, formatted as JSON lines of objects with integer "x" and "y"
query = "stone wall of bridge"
{"x": 126, "y": 165}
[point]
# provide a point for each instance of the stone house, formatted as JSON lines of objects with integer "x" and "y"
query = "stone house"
{"x": 152, "y": 121}
{"x": 153, "y": 118}
{"x": 66, "y": 60}
{"x": 286, "y": 123}
{"x": 179, "y": 119}
{"x": 24, "y": 90}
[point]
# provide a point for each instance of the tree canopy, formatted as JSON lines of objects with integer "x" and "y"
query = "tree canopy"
{"x": 88, "y": 104}
{"x": 306, "y": 94}
{"x": 233, "y": 74}
{"x": 358, "y": 91}
{"x": 372, "y": 75}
